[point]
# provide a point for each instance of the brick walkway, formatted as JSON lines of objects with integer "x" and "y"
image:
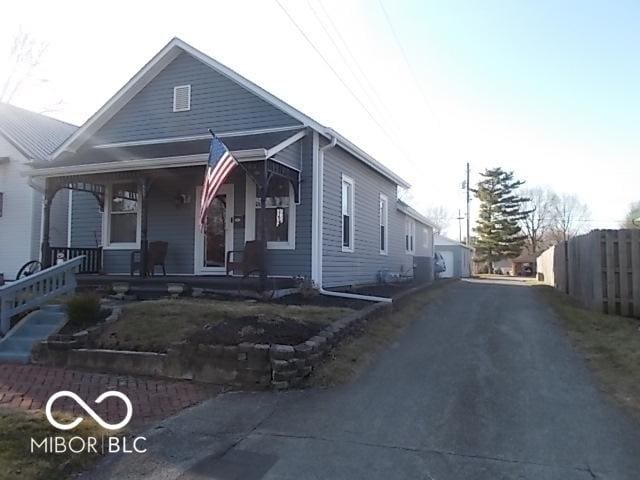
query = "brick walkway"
{"x": 29, "y": 387}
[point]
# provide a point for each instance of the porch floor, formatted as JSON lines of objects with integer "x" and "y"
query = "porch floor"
{"x": 212, "y": 282}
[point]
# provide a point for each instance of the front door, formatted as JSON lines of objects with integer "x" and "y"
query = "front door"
{"x": 212, "y": 245}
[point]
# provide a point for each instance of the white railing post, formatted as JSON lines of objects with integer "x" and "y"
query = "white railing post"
{"x": 33, "y": 291}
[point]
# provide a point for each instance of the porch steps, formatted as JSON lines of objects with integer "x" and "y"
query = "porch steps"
{"x": 16, "y": 346}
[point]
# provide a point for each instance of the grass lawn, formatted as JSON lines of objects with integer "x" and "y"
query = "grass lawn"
{"x": 153, "y": 325}
{"x": 16, "y": 460}
{"x": 611, "y": 345}
{"x": 354, "y": 354}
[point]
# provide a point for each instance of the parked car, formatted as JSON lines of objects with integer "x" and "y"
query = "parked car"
{"x": 439, "y": 265}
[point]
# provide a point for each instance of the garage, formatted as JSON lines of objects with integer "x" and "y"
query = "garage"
{"x": 457, "y": 257}
{"x": 448, "y": 262}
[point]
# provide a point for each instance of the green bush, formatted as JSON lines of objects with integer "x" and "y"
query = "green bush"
{"x": 83, "y": 310}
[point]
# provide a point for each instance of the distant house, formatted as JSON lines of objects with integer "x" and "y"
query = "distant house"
{"x": 26, "y": 137}
{"x": 333, "y": 213}
{"x": 457, "y": 257}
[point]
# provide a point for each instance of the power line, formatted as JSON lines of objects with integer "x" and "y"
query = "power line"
{"x": 406, "y": 60}
{"x": 355, "y": 61}
{"x": 344, "y": 59}
{"x": 342, "y": 81}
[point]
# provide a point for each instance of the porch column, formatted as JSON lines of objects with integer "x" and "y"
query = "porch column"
{"x": 144, "y": 185}
{"x": 262, "y": 224}
{"x": 45, "y": 247}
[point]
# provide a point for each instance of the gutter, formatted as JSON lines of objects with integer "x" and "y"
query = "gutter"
{"x": 318, "y": 172}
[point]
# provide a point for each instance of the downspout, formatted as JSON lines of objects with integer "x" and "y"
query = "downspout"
{"x": 319, "y": 171}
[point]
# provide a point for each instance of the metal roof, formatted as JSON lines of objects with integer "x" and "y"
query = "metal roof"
{"x": 34, "y": 134}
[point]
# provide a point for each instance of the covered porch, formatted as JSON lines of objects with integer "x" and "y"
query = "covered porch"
{"x": 128, "y": 199}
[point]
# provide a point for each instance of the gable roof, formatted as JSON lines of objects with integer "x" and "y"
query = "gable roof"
{"x": 442, "y": 240}
{"x": 166, "y": 56}
{"x": 35, "y": 135}
{"x": 413, "y": 213}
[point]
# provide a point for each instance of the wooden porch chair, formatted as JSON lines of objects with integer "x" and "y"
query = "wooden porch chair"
{"x": 252, "y": 258}
{"x": 156, "y": 256}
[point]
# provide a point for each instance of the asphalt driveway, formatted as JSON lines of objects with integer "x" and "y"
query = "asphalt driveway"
{"x": 484, "y": 385}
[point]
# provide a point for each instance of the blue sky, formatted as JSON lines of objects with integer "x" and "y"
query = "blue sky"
{"x": 548, "y": 89}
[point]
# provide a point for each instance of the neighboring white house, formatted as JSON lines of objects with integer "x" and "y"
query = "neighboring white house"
{"x": 24, "y": 137}
{"x": 457, "y": 257}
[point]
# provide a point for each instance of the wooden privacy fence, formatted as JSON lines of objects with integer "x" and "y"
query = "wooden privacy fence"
{"x": 601, "y": 269}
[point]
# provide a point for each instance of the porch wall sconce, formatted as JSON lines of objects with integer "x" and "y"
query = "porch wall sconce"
{"x": 182, "y": 199}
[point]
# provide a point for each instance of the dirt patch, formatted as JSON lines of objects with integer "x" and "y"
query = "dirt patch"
{"x": 152, "y": 326}
{"x": 322, "y": 301}
{"x": 257, "y": 329}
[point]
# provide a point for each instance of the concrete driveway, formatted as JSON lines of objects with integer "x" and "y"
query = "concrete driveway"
{"x": 484, "y": 385}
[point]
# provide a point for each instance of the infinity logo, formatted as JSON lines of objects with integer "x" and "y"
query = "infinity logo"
{"x": 89, "y": 410}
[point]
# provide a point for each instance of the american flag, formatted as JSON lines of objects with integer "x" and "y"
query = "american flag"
{"x": 219, "y": 165}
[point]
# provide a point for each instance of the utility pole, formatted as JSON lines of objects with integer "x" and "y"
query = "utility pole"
{"x": 460, "y": 218}
{"x": 468, "y": 209}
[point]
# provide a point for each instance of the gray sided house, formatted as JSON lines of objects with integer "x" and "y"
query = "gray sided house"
{"x": 26, "y": 137}
{"x": 137, "y": 165}
{"x": 457, "y": 257}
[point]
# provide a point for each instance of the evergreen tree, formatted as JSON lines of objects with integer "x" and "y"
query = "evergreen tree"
{"x": 501, "y": 210}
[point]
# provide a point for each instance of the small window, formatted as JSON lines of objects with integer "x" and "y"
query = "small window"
{"x": 384, "y": 220}
{"x": 123, "y": 215}
{"x": 409, "y": 236}
{"x": 182, "y": 98}
{"x": 427, "y": 239}
{"x": 347, "y": 214}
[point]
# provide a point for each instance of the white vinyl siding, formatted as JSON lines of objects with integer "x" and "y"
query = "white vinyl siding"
{"x": 384, "y": 224}
{"x": 347, "y": 214}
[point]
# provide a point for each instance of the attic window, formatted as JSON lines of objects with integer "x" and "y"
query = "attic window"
{"x": 182, "y": 98}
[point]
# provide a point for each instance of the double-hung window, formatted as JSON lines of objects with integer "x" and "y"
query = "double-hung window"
{"x": 410, "y": 235}
{"x": 384, "y": 221}
{"x": 347, "y": 213}
{"x": 122, "y": 214}
{"x": 280, "y": 214}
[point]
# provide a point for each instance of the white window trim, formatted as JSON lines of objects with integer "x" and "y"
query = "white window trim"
{"x": 188, "y": 107}
{"x": 410, "y": 231}
{"x": 106, "y": 222}
{"x": 250, "y": 218}
{"x": 350, "y": 248}
{"x": 385, "y": 199}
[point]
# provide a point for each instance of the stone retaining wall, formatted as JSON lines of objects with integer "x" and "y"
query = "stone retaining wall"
{"x": 249, "y": 365}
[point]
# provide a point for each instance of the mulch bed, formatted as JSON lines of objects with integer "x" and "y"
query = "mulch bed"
{"x": 256, "y": 329}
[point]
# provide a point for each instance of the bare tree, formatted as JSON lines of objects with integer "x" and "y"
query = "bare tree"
{"x": 440, "y": 217}
{"x": 570, "y": 217}
{"x": 632, "y": 220}
{"x": 25, "y": 56}
{"x": 537, "y": 224}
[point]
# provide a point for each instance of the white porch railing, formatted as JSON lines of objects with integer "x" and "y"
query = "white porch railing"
{"x": 37, "y": 289}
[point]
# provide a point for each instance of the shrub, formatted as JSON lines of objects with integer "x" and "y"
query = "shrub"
{"x": 83, "y": 310}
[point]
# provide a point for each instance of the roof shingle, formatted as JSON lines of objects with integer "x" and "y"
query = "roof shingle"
{"x": 34, "y": 134}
